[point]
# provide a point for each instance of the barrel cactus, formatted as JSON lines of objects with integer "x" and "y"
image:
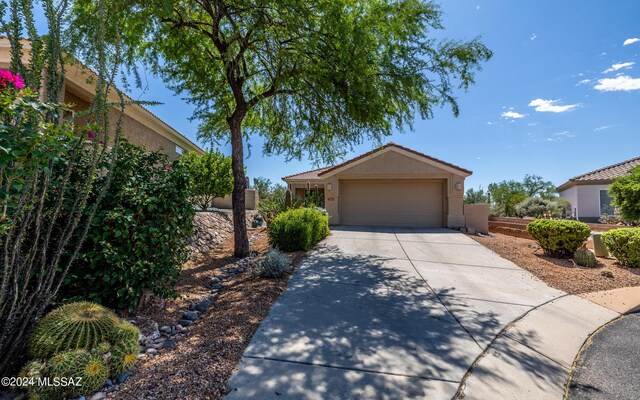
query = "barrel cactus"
{"x": 81, "y": 325}
{"x": 79, "y": 364}
{"x": 124, "y": 356}
{"x": 126, "y": 331}
{"x": 585, "y": 258}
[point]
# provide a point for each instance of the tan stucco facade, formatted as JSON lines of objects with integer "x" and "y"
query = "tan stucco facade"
{"x": 139, "y": 125}
{"x": 392, "y": 164}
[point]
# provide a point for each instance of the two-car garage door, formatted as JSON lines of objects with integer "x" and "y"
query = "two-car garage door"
{"x": 392, "y": 202}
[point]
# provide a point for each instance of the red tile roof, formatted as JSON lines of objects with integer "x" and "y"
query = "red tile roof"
{"x": 317, "y": 173}
{"x": 606, "y": 174}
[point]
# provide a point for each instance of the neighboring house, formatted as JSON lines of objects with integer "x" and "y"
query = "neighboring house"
{"x": 139, "y": 125}
{"x": 589, "y": 193}
{"x": 389, "y": 186}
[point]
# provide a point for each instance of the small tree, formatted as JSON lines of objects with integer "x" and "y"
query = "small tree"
{"x": 264, "y": 186}
{"x": 473, "y": 196}
{"x": 625, "y": 195}
{"x": 505, "y": 195}
{"x": 210, "y": 176}
{"x": 536, "y": 186}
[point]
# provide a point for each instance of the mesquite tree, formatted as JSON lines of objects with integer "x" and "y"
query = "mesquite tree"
{"x": 312, "y": 77}
{"x": 45, "y": 216}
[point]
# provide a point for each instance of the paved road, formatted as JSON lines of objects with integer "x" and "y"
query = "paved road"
{"x": 609, "y": 366}
{"x": 385, "y": 313}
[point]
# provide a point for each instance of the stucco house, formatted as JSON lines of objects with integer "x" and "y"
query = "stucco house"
{"x": 140, "y": 126}
{"x": 389, "y": 186}
{"x": 589, "y": 193}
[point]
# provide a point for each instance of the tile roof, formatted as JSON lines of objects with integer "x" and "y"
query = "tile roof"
{"x": 605, "y": 174}
{"x": 317, "y": 173}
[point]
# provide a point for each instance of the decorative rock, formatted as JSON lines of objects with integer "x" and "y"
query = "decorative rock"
{"x": 113, "y": 388}
{"x": 108, "y": 383}
{"x": 203, "y": 305}
{"x": 98, "y": 396}
{"x": 190, "y": 315}
{"x": 185, "y": 322}
{"x": 141, "y": 356}
{"x": 122, "y": 378}
{"x": 169, "y": 344}
{"x": 165, "y": 329}
{"x": 607, "y": 274}
{"x": 471, "y": 231}
{"x": 192, "y": 306}
{"x": 151, "y": 351}
{"x": 159, "y": 340}
{"x": 81, "y": 398}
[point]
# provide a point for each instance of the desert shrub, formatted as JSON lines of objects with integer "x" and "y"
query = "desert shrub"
{"x": 533, "y": 207}
{"x": 624, "y": 244}
{"x": 585, "y": 258}
{"x": 273, "y": 265}
{"x": 138, "y": 237}
{"x": 559, "y": 238}
{"x": 625, "y": 195}
{"x": 298, "y": 229}
{"x": 210, "y": 176}
{"x": 278, "y": 204}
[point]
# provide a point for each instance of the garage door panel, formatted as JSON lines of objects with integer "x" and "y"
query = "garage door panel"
{"x": 392, "y": 203}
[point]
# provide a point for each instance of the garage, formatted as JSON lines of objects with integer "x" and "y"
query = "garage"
{"x": 397, "y": 202}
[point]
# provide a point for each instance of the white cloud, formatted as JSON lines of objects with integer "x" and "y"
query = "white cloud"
{"x": 631, "y": 41}
{"x": 512, "y": 115}
{"x": 583, "y": 82}
{"x": 489, "y": 123}
{"x": 533, "y": 124}
{"x": 477, "y": 7}
{"x": 560, "y": 136}
{"x": 603, "y": 54}
{"x": 616, "y": 67}
{"x": 550, "y": 106}
{"x": 601, "y": 128}
{"x": 621, "y": 83}
{"x": 534, "y": 36}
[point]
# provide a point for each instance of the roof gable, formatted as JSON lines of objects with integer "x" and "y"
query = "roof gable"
{"x": 603, "y": 175}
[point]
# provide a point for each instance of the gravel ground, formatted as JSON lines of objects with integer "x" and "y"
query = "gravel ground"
{"x": 199, "y": 366}
{"x": 559, "y": 273}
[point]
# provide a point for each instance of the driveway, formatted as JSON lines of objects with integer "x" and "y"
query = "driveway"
{"x": 385, "y": 313}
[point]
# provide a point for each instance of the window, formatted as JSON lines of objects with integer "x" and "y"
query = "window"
{"x": 178, "y": 149}
{"x": 605, "y": 203}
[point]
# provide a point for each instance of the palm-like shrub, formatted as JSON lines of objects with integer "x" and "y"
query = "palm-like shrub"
{"x": 81, "y": 325}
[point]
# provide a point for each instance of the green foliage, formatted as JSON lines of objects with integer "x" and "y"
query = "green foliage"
{"x": 287, "y": 199}
{"x": 277, "y": 205}
{"x": 298, "y": 229}
{"x": 138, "y": 237}
{"x": 473, "y": 196}
{"x": 210, "y": 176}
{"x": 625, "y": 195}
{"x": 72, "y": 326}
{"x": 624, "y": 244}
{"x": 267, "y": 189}
{"x": 559, "y": 238}
{"x": 505, "y": 195}
{"x": 536, "y": 186}
{"x": 273, "y": 265}
{"x": 537, "y": 207}
{"x": 585, "y": 258}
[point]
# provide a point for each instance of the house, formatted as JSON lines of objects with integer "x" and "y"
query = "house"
{"x": 139, "y": 125}
{"x": 388, "y": 186}
{"x": 589, "y": 193}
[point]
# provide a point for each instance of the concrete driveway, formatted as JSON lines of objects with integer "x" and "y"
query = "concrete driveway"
{"x": 385, "y": 313}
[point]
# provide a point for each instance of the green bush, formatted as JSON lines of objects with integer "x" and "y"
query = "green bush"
{"x": 138, "y": 236}
{"x": 625, "y": 193}
{"x": 278, "y": 204}
{"x": 298, "y": 229}
{"x": 559, "y": 238}
{"x": 624, "y": 244}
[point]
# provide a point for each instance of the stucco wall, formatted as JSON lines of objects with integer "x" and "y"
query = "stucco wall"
{"x": 477, "y": 217}
{"x": 393, "y": 165}
{"x": 571, "y": 194}
{"x": 251, "y": 200}
{"x": 586, "y": 199}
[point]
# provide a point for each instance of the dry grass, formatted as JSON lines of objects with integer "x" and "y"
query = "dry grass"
{"x": 199, "y": 367}
{"x": 559, "y": 273}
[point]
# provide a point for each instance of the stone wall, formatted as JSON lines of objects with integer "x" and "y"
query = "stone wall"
{"x": 212, "y": 228}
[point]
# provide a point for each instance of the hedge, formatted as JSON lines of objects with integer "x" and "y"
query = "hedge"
{"x": 624, "y": 244}
{"x": 559, "y": 238}
{"x": 298, "y": 229}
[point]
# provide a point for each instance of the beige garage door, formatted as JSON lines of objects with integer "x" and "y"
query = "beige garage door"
{"x": 392, "y": 203}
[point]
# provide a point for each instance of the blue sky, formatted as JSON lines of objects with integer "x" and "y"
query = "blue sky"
{"x": 560, "y": 97}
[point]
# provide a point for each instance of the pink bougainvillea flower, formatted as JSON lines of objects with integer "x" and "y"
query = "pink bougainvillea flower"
{"x": 18, "y": 81}
{"x": 101, "y": 142}
{"x": 91, "y": 135}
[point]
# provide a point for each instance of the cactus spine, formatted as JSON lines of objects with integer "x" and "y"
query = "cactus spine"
{"x": 585, "y": 258}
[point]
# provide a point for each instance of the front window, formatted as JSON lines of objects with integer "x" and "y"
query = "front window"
{"x": 605, "y": 203}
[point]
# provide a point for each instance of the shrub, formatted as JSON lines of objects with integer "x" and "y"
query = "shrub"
{"x": 533, "y": 207}
{"x": 273, "y": 265}
{"x": 210, "y": 176}
{"x": 73, "y": 326}
{"x": 585, "y": 258}
{"x": 279, "y": 204}
{"x": 298, "y": 229}
{"x": 624, "y": 244}
{"x": 139, "y": 234}
{"x": 625, "y": 193}
{"x": 559, "y": 238}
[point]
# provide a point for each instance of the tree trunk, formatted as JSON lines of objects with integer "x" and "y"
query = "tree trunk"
{"x": 241, "y": 245}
